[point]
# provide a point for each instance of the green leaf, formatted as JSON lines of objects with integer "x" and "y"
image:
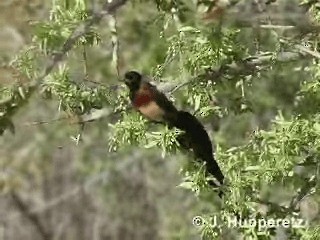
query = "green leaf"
{"x": 188, "y": 29}
{"x": 151, "y": 144}
{"x": 197, "y": 102}
{"x": 186, "y": 185}
{"x": 252, "y": 168}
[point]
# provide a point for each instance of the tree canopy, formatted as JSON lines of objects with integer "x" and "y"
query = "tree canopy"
{"x": 77, "y": 162}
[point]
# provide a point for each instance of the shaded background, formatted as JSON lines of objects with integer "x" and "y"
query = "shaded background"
{"x": 53, "y": 188}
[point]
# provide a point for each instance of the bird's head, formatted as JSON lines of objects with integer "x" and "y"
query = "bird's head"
{"x": 133, "y": 80}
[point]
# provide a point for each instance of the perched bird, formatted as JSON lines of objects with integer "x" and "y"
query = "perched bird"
{"x": 155, "y": 106}
{"x": 150, "y": 102}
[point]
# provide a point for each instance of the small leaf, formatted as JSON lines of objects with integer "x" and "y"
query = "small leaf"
{"x": 197, "y": 101}
{"x": 151, "y": 144}
{"x": 186, "y": 185}
{"x": 252, "y": 168}
{"x": 188, "y": 29}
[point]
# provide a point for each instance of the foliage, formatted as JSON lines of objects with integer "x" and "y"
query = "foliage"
{"x": 268, "y": 140}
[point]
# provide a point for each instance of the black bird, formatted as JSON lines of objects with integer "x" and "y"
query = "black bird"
{"x": 155, "y": 106}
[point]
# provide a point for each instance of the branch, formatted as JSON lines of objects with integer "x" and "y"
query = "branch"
{"x": 302, "y": 49}
{"x": 250, "y": 65}
{"x": 80, "y": 31}
{"x": 303, "y": 192}
{"x": 115, "y": 43}
{"x": 94, "y": 115}
{"x": 244, "y": 67}
{"x": 11, "y": 105}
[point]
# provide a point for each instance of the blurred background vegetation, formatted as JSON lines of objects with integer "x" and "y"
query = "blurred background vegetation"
{"x": 78, "y": 163}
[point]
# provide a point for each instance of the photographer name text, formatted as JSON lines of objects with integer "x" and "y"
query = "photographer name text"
{"x": 260, "y": 223}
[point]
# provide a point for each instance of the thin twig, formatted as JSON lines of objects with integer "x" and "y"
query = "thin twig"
{"x": 93, "y": 116}
{"x": 115, "y": 42}
{"x": 304, "y": 191}
{"x": 243, "y": 67}
{"x": 45, "y": 122}
{"x": 55, "y": 58}
{"x": 303, "y": 49}
{"x": 78, "y": 138}
{"x": 85, "y": 62}
{"x": 271, "y": 26}
{"x": 176, "y": 88}
{"x": 308, "y": 51}
{"x": 81, "y": 30}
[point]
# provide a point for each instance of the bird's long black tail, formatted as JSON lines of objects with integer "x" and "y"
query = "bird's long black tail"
{"x": 197, "y": 138}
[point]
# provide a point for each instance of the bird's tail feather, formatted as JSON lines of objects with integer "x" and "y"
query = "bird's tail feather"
{"x": 197, "y": 138}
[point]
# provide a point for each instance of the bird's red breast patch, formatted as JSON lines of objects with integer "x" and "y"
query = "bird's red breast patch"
{"x": 141, "y": 100}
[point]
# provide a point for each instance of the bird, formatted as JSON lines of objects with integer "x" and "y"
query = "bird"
{"x": 155, "y": 106}
{"x": 150, "y": 102}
